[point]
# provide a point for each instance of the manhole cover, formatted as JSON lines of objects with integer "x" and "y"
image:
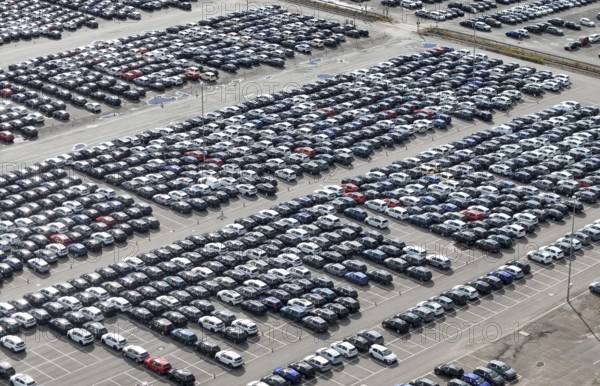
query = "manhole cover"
{"x": 540, "y": 364}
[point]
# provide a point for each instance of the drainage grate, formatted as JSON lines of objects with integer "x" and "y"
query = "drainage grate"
{"x": 540, "y": 364}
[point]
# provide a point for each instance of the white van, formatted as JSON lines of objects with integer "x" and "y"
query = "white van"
{"x": 258, "y": 285}
{"x": 397, "y": 213}
{"x": 377, "y": 205}
{"x": 300, "y": 272}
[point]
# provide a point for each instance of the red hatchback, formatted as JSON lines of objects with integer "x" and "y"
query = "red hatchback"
{"x": 307, "y": 151}
{"x": 160, "y": 365}
{"x": 6, "y": 136}
{"x": 111, "y": 222}
{"x": 472, "y": 215}
{"x": 217, "y": 161}
{"x": 59, "y": 238}
{"x": 392, "y": 202}
{"x": 349, "y": 188}
{"x": 195, "y": 153}
{"x": 359, "y": 198}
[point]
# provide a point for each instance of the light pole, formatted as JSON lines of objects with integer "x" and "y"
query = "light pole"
{"x": 571, "y": 252}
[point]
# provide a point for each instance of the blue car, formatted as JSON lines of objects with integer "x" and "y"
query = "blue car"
{"x": 386, "y": 186}
{"x": 14, "y": 263}
{"x": 81, "y": 219}
{"x": 428, "y": 200}
{"x": 439, "y": 123}
{"x": 514, "y": 34}
{"x": 504, "y": 276}
{"x": 77, "y": 249}
{"x": 357, "y": 278}
{"x": 356, "y": 213}
{"x": 429, "y": 180}
{"x": 302, "y": 217}
{"x": 474, "y": 380}
{"x": 174, "y": 168}
{"x": 448, "y": 207}
{"x": 290, "y": 375}
{"x": 185, "y": 336}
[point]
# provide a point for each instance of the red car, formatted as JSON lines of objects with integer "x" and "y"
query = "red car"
{"x": 192, "y": 75}
{"x": 359, "y": 198}
{"x": 217, "y": 161}
{"x": 59, "y": 238}
{"x": 472, "y": 215}
{"x": 349, "y": 188}
{"x": 6, "y": 92}
{"x": 307, "y": 151}
{"x": 392, "y": 202}
{"x": 160, "y": 365}
{"x": 195, "y": 153}
{"x": 6, "y": 136}
{"x": 111, "y": 222}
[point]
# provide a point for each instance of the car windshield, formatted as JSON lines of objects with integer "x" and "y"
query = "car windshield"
{"x": 386, "y": 352}
{"x": 504, "y": 367}
{"x": 479, "y": 381}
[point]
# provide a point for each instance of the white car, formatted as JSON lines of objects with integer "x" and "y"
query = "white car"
{"x": 586, "y": 22}
{"x": 98, "y": 292}
{"x": 38, "y": 265}
{"x": 555, "y": 252}
{"x": 467, "y": 290}
{"x": 92, "y": 313}
{"x": 247, "y": 189}
{"x": 230, "y": 297}
{"x": 81, "y": 336}
{"x": 114, "y": 340}
{"x": 246, "y": 325}
{"x": 13, "y": 343}
{"x": 377, "y": 222}
{"x": 136, "y": 353}
{"x": 347, "y": 350}
{"x": 22, "y": 380}
{"x": 211, "y": 323}
{"x": 229, "y": 358}
{"x": 594, "y": 38}
{"x": 383, "y": 354}
{"x": 434, "y": 307}
{"x": 93, "y": 107}
{"x": 24, "y": 319}
{"x": 514, "y": 271}
{"x": 122, "y": 304}
{"x": 397, "y": 213}
{"x": 333, "y": 356}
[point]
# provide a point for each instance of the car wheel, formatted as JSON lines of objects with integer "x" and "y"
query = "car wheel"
{"x": 436, "y": 371}
{"x": 230, "y": 365}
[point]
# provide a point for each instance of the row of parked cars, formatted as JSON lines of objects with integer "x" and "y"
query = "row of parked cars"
{"x": 204, "y": 161}
{"x": 526, "y": 12}
{"x": 130, "y": 66}
{"x": 48, "y": 215}
{"x": 18, "y": 120}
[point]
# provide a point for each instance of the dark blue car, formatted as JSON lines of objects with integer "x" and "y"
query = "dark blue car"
{"x": 448, "y": 207}
{"x": 77, "y": 249}
{"x": 356, "y": 213}
{"x": 357, "y": 278}
{"x": 81, "y": 219}
{"x": 474, "y": 380}
{"x": 504, "y": 276}
{"x": 290, "y": 375}
{"x": 14, "y": 263}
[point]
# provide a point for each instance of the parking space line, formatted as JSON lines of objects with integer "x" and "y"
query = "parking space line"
{"x": 53, "y": 361}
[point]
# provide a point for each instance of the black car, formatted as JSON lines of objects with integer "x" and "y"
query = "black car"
{"x": 493, "y": 378}
{"x": 255, "y": 307}
{"x": 95, "y": 328}
{"x": 524, "y": 265}
{"x": 306, "y": 370}
{"x": 234, "y": 335}
{"x": 457, "y": 297}
{"x": 162, "y": 325}
{"x": 60, "y": 325}
{"x": 6, "y": 370}
{"x": 207, "y": 347}
{"x": 419, "y": 273}
{"x": 396, "y": 324}
{"x": 449, "y": 371}
{"x": 181, "y": 377}
{"x": 361, "y": 344}
{"x": 481, "y": 286}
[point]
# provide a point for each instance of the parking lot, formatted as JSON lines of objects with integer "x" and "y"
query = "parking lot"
{"x": 505, "y": 313}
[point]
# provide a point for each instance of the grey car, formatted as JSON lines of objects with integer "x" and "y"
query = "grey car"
{"x": 505, "y": 370}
